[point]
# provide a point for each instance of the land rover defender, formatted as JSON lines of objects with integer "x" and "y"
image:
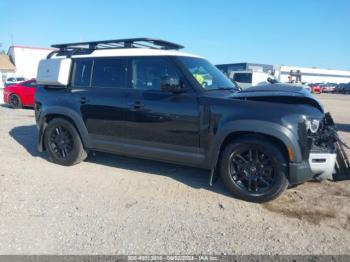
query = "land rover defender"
{"x": 144, "y": 98}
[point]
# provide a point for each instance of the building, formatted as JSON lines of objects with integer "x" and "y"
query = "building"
{"x": 6, "y": 67}
{"x": 313, "y": 75}
{"x": 228, "y": 68}
{"x": 26, "y": 59}
{"x": 291, "y": 73}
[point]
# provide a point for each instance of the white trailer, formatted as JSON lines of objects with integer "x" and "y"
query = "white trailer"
{"x": 312, "y": 75}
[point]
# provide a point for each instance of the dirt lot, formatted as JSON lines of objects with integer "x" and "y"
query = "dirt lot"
{"x": 118, "y": 205}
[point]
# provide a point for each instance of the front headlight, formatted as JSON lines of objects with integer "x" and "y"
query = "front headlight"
{"x": 312, "y": 125}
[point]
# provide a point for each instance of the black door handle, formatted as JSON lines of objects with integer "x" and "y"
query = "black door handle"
{"x": 136, "y": 105}
{"x": 83, "y": 100}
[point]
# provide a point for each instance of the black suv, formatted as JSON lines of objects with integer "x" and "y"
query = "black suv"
{"x": 143, "y": 98}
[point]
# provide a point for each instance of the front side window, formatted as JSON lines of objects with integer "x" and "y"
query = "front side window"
{"x": 148, "y": 72}
{"x": 206, "y": 74}
{"x": 82, "y": 73}
{"x": 109, "y": 73}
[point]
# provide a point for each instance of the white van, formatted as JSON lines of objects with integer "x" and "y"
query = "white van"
{"x": 246, "y": 79}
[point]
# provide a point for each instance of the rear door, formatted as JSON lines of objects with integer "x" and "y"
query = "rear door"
{"x": 99, "y": 87}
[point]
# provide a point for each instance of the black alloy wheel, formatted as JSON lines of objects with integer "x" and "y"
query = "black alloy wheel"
{"x": 63, "y": 143}
{"x": 254, "y": 169}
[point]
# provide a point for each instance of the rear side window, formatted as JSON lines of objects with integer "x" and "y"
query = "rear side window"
{"x": 109, "y": 73}
{"x": 82, "y": 73}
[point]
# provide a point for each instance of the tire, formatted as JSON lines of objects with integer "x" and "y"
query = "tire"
{"x": 257, "y": 160}
{"x": 15, "y": 101}
{"x": 63, "y": 143}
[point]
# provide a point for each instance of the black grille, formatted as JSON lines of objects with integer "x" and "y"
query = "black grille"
{"x": 305, "y": 141}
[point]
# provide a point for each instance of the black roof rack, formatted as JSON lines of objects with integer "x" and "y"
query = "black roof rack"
{"x": 120, "y": 43}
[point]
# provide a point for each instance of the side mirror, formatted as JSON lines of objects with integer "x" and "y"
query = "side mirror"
{"x": 172, "y": 84}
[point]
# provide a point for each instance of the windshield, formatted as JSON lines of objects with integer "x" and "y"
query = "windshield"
{"x": 206, "y": 74}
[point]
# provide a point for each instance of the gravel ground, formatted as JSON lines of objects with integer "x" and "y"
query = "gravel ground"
{"x": 117, "y": 205}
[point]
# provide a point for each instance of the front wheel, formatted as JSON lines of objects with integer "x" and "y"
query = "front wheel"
{"x": 254, "y": 169}
{"x": 63, "y": 143}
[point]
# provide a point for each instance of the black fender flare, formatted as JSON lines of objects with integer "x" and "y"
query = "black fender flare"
{"x": 67, "y": 113}
{"x": 285, "y": 135}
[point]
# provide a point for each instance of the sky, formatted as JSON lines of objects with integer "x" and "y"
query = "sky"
{"x": 299, "y": 32}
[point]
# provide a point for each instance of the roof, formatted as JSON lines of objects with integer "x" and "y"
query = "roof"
{"x": 131, "y": 52}
{"x": 6, "y": 64}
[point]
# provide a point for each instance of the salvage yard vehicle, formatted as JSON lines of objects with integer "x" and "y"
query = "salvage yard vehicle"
{"x": 315, "y": 88}
{"x": 144, "y": 98}
{"x": 344, "y": 88}
{"x": 21, "y": 94}
{"x": 14, "y": 80}
{"x": 246, "y": 79}
{"x": 328, "y": 88}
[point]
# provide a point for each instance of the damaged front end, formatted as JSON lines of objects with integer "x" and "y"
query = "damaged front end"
{"x": 327, "y": 156}
{"x": 320, "y": 144}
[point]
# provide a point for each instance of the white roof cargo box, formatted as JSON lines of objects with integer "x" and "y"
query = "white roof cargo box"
{"x": 54, "y": 72}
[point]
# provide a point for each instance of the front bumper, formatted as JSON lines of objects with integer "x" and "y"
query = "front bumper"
{"x": 299, "y": 173}
{"x": 327, "y": 159}
{"x": 319, "y": 166}
{"x": 322, "y": 165}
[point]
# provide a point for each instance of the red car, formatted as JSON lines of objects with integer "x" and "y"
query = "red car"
{"x": 315, "y": 88}
{"x": 21, "y": 94}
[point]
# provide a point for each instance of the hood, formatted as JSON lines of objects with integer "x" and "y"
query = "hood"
{"x": 277, "y": 90}
{"x": 278, "y": 93}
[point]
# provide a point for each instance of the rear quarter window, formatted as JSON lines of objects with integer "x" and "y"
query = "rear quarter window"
{"x": 81, "y": 76}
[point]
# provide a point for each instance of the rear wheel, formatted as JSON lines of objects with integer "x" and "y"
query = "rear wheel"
{"x": 254, "y": 169}
{"x": 63, "y": 143}
{"x": 15, "y": 101}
